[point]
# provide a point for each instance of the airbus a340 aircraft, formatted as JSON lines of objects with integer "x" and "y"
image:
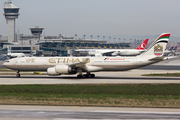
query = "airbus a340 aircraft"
{"x": 115, "y": 52}
{"x": 72, "y": 65}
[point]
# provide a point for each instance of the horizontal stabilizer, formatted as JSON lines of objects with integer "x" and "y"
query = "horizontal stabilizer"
{"x": 157, "y": 59}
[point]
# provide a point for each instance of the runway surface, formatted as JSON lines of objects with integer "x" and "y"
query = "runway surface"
{"x": 21, "y": 112}
{"x": 127, "y": 77}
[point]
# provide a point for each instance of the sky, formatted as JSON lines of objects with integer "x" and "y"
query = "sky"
{"x": 96, "y": 17}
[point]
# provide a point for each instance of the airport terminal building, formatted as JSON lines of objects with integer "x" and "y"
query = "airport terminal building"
{"x": 35, "y": 44}
{"x": 55, "y": 45}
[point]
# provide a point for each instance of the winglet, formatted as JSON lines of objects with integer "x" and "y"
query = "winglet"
{"x": 143, "y": 45}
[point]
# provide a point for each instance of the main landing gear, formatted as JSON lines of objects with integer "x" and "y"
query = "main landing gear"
{"x": 18, "y": 75}
{"x": 88, "y": 75}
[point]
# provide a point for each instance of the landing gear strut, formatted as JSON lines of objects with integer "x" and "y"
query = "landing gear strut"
{"x": 18, "y": 75}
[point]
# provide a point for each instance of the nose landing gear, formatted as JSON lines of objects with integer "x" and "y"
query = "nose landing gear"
{"x": 18, "y": 74}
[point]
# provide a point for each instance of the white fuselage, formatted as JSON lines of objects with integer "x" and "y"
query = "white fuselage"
{"x": 94, "y": 64}
{"x": 16, "y": 54}
{"x": 124, "y": 52}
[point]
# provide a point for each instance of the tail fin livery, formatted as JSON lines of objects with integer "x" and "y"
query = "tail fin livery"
{"x": 157, "y": 48}
{"x": 143, "y": 45}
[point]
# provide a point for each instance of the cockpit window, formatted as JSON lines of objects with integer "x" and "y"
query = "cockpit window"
{"x": 7, "y": 61}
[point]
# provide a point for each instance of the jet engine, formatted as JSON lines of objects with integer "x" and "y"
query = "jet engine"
{"x": 52, "y": 72}
{"x": 61, "y": 69}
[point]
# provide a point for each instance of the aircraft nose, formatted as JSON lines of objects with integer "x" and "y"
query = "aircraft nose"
{"x": 5, "y": 64}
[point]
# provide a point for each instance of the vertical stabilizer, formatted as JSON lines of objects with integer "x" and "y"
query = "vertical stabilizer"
{"x": 143, "y": 45}
{"x": 157, "y": 48}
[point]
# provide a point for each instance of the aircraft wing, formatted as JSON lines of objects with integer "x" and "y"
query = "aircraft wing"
{"x": 80, "y": 63}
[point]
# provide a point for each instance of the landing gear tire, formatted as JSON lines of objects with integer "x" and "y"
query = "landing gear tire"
{"x": 85, "y": 76}
{"x": 79, "y": 76}
{"x": 18, "y": 75}
{"x": 92, "y": 75}
{"x": 89, "y": 75}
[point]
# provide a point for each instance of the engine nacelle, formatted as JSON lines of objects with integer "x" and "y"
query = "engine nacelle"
{"x": 61, "y": 69}
{"x": 52, "y": 72}
{"x": 64, "y": 69}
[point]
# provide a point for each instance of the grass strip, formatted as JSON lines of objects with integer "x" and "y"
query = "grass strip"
{"x": 130, "y": 95}
{"x": 163, "y": 74}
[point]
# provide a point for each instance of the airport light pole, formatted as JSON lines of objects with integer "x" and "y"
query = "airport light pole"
{"x": 103, "y": 38}
{"x": 119, "y": 41}
{"x": 84, "y": 36}
{"x": 98, "y": 37}
{"x": 135, "y": 42}
{"x": 109, "y": 39}
{"x": 91, "y": 37}
{"x": 114, "y": 40}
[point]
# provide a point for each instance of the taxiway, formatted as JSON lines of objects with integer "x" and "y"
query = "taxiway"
{"x": 20, "y": 112}
{"x": 126, "y": 77}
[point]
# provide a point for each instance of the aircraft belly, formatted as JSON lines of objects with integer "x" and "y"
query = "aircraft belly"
{"x": 118, "y": 68}
{"x": 33, "y": 69}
